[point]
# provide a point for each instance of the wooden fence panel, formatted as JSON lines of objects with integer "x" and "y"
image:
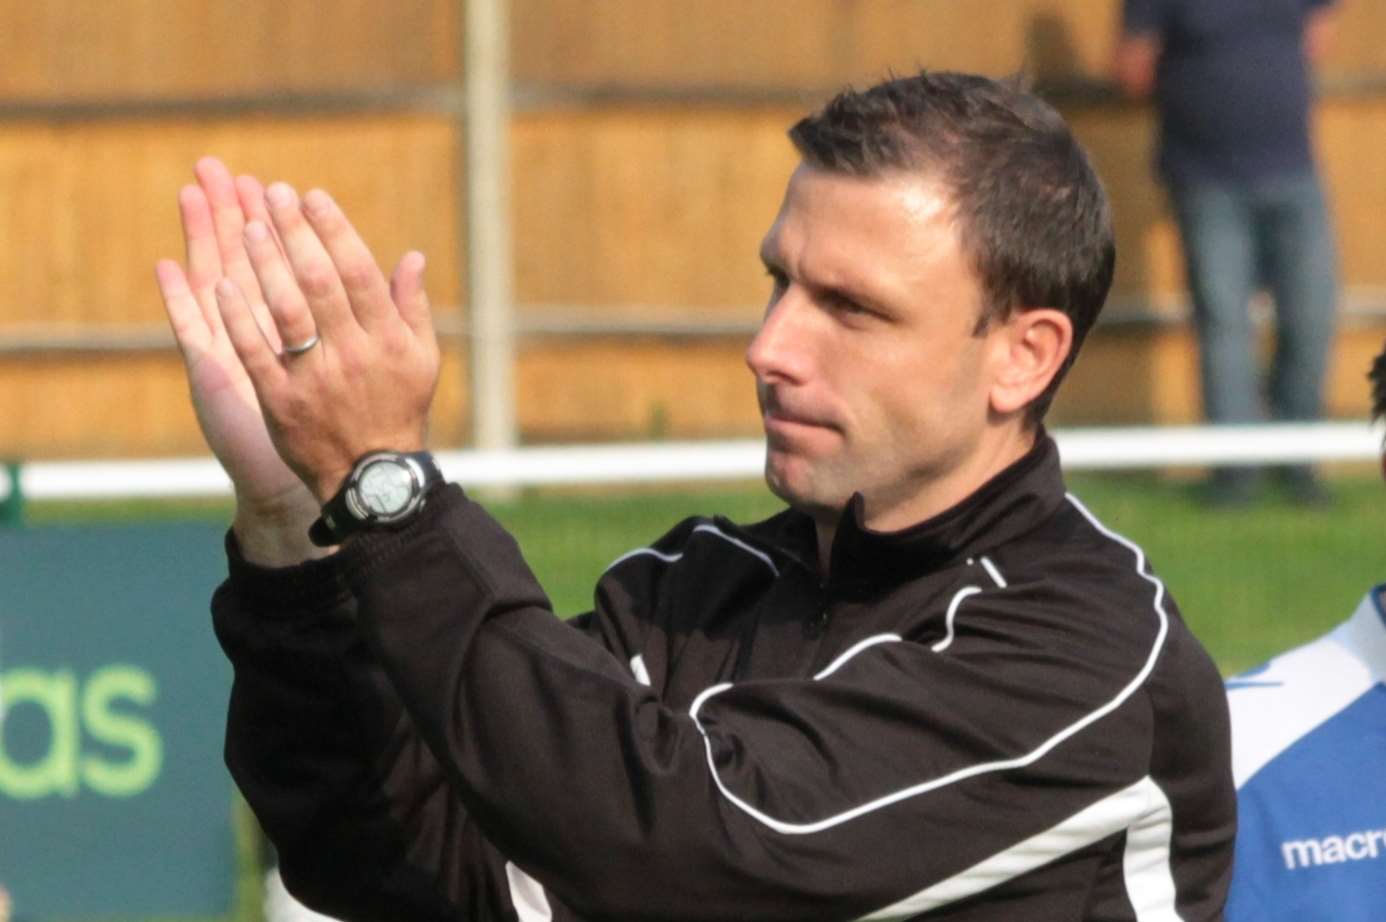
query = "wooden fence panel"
{"x": 726, "y": 43}
{"x": 76, "y": 49}
{"x": 820, "y": 44}
{"x": 91, "y": 206}
{"x": 114, "y": 49}
{"x": 660, "y": 204}
{"x": 1357, "y": 49}
{"x": 625, "y": 209}
{"x": 1351, "y": 135}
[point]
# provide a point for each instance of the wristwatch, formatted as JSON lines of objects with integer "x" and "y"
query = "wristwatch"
{"x": 383, "y": 488}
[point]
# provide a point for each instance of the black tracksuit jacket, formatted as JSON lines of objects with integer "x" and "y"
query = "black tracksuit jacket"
{"x": 997, "y": 714}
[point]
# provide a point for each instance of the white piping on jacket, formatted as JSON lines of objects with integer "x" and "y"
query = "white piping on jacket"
{"x": 1142, "y": 808}
{"x": 994, "y": 573}
{"x": 854, "y": 650}
{"x": 962, "y": 593}
{"x": 924, "y": 787}
{"x": 709, "y": 529}
{"x": 527, "y": 896}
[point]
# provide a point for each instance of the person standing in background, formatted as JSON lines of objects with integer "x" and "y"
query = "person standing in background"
{"x": 1231, "y": 81}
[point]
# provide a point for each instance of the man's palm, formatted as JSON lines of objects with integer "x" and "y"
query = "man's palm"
{"x": 214, "y": 213}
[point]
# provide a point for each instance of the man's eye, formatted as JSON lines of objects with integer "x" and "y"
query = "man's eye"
{"x": 845, "y": 305}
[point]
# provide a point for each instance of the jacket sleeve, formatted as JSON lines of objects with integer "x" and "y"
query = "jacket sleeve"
{"x": 356, "y": 805}
{"x": 844, "y": 795}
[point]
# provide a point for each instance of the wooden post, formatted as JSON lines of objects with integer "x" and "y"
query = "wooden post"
{"x": 490, "y": 302}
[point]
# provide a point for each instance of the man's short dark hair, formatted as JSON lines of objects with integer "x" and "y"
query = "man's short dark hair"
{"x": 1032, "y": 214}
{"x": 1378, "y": 378}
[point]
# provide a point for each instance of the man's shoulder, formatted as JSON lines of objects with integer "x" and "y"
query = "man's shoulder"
{"x": 1308, "y": 748}
{"x": 1286, "y": 700}
{"x": 1097, "y": 586}
{"x": 1100, "y": 582}
{"x": 1076, "y": 548}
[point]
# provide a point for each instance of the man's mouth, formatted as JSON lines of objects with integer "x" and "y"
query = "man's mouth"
{"x": 782, "y": 418}
{"x": 779, "y": 419}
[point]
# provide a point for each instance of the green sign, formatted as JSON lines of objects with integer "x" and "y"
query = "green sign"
{"x": 114, "y": 801}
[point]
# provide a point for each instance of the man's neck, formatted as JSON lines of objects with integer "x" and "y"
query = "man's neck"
{"x": 935, "y": 498}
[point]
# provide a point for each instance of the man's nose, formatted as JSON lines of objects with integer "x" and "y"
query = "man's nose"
{"x": 779, "y": 352}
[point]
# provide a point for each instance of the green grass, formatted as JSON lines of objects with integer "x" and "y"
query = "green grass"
{"x": 1252, "y": 581}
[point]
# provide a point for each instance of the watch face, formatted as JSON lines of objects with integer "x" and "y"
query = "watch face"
{"x": 385, "y": 488}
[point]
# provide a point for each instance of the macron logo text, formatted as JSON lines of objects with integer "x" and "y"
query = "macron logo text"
{"x": 1355, "y": 846}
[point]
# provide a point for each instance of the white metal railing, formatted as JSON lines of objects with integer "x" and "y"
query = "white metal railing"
{"x": 1081, "y": 449}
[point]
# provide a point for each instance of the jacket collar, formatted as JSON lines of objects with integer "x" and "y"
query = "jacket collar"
{"x": 1012, "y": 503}
{"x": 1365, "y": 632}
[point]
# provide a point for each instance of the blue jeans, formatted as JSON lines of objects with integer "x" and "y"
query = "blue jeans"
{"x": 1275, "y": 234}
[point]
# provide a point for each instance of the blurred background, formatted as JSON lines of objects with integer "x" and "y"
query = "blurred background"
{"x": 590, "y": 180}
{"x": 647, "y": 155}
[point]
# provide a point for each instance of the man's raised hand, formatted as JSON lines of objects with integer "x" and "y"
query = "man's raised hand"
{"x": 368, "y": 380}
{"x": 214, "y": 212}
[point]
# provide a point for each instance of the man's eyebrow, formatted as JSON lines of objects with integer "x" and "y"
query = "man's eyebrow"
{"x": 855, "y": 296}
{"x": 847, "y": 290}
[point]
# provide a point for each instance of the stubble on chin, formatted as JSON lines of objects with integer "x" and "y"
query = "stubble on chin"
{"x": 792, "y": 480}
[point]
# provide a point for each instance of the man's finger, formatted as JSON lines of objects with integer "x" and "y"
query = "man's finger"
{"x": 287, "y": 308}
{"x": 312, "y": 268}
{"x": 365, "y": 286}
{"x": 199, "y": 238}
{"x": 228, "y": 222}
{"x": 185, "y": 315}
{"x": 259, "y": 359}
{"x": 407, "y": 291}
{"x": 203, "y": 254}
{"x": 251, "y": 193}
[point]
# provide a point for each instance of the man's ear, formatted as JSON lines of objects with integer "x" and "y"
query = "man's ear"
{"x": 1031, "y": 348}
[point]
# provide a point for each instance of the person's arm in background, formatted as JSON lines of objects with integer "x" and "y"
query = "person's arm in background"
{"x": 1319, "y": 26}
{"x": 1137, "y": 54}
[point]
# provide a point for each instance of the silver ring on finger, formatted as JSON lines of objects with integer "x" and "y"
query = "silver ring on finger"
{"x": 302, "y": 347}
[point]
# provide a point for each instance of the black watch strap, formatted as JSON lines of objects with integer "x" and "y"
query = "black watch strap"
{"x": 350, "y": 510}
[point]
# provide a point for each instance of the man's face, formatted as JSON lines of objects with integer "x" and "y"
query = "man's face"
{"x": 868, "y": 369}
